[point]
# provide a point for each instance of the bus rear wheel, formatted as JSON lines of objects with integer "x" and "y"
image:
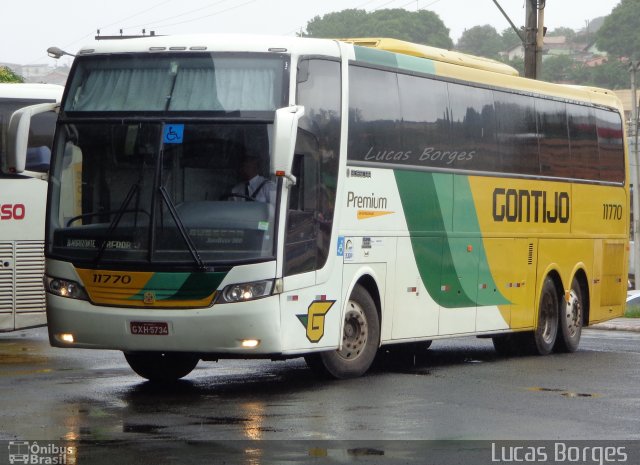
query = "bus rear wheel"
{"x": 360, "y": 338}
{"x": 161, "y": 367}
{"x": 570, "y": 321}
{"x": 543, "y": 339}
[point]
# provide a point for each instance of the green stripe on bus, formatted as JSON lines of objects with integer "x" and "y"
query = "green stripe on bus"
{"x": 383, "y": 58}
{"x": 376, "y": 57}
{"x": 416, "y": 64}
{"x": 181, "y": 286}
{"x": 447, "y": 267}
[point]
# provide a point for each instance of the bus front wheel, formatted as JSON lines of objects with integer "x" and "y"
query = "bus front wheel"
{"x": 360, "y": 338}
{"x": 161, "y": 367}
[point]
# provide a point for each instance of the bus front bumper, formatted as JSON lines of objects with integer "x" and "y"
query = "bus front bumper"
{"x": 250, "y": 329}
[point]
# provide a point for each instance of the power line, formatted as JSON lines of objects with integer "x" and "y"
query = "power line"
{"x": 134, "y": 15}
{"x": 156, "y": 22}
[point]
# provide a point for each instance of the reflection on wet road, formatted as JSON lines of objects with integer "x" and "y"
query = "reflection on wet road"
{"x": 456, "y": 390}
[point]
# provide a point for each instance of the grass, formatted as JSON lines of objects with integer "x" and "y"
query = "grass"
{"x": 632, "y": 310}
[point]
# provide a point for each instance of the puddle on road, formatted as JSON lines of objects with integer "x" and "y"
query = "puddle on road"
{"x": 563, "y": 392}
{"x": 144, "y": 429}
{"x": 18, "y": 353}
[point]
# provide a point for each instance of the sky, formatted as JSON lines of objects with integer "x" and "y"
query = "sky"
{"x": 29, "y": 27}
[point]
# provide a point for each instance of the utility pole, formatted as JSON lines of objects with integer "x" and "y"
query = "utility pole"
{"x": 530, "y": 44}
{"x": 532, "y": 39}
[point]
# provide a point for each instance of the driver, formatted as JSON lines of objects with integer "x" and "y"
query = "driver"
{"x": 253, "y": 185}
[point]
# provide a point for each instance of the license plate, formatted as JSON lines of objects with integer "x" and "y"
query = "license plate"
{"x": 149, "y": 328}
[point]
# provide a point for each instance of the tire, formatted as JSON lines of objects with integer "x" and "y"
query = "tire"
{"x": 505, "y": 345}
{"x": 161, "y": 367}
{"x": 570, "y": 321}
{"x": 542, "y": 340}
{"x": 360, "y": 340}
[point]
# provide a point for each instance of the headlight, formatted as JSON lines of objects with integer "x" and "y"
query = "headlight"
{"x": 65, "y": 288}
{"x": 246, "y": 291}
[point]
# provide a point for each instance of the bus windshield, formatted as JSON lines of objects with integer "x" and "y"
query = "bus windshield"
{"x": 158, "y": 192}
{"x": 151, "y": 160}
{"x": 173, "y": 83}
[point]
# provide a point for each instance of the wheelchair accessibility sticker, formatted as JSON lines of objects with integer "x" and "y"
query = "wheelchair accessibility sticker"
{"x": 173, "y": 133}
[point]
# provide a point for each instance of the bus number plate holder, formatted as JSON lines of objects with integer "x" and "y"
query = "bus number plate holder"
{"x": 149, "y": 328}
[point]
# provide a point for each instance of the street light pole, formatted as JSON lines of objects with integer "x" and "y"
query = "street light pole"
{"x": 634, "y": 155}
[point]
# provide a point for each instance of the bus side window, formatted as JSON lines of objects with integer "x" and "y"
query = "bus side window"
{"x": 302, "y": 217}
{"x": 310, "y": 217}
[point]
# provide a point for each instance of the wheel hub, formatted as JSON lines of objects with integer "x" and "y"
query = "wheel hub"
{"x": 573, "y": 314}
{"x": 355, "y": 332}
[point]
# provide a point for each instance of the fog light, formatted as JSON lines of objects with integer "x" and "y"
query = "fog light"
{"x": 250, "y": 343}
{"x": 66, "y": 337}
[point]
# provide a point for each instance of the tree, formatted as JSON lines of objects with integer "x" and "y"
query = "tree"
{"x": 517, "y": 63}
{"x": 510, "y": 38}
{"x": 6, "y": 75}
{"x": 346, "y": 23}
{"x": 620, "y": 34}
{"x": 613, "y": 74}
{"x": 567, "y": 32}
{"x": 482, "y": 41}
{"x": 557, "y": 68}
{"x": 422, "y": 27}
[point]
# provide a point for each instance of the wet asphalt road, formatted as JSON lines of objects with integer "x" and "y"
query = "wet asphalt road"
{"x": 459, "y": 389}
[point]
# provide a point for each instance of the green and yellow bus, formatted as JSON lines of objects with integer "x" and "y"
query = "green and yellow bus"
{"x": 414, "y": 194}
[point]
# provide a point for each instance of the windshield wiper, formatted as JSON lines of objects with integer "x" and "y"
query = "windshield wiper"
{"x": 183, "y": 231}
{"x": 114, "y": 223}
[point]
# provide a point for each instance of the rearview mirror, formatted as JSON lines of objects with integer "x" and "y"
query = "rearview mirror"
{"x": 18, "y": 136}
{"x": 285, "y": 129}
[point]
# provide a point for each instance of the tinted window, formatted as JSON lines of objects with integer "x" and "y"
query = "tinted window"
{"x": 425, "y": 121}
{"x": 457, "y": 126}
{"x": 374, "y": 116}
{"x": 312, "y": 199}
{"x": 183, "y": 82}
{"x": 517, "y": 133}
{"x": 610, "y": 143}
{"x": 473, "y": 128}
{"x": 40, "y": 133}
{"x": 584, "y": 142}
{"x": 555, "y": 156}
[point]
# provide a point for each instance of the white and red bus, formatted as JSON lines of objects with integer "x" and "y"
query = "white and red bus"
{"x": 23, "y": 199}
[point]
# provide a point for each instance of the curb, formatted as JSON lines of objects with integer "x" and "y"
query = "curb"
{"x": 616, "y": 327}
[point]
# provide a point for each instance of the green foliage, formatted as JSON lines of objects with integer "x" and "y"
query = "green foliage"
{"x": 567, "y": 32}
{"x": 510, "y": 39}
{"x": 557, "y": 68}
{"x": 482, "y": 41}
{"x": 6, "y": 75}
{"x": 620, "y": 34}
{"x": 421, "y": 27}
{"x": 632, "y": 311}
{"x": 517, "y": 63}
{"x": 612, "y": 75}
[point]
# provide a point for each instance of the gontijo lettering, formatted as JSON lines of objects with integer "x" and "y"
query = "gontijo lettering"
{"x": 522, "y": 205}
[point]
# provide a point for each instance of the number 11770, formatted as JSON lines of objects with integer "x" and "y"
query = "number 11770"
{"x": 611, "y": 211}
